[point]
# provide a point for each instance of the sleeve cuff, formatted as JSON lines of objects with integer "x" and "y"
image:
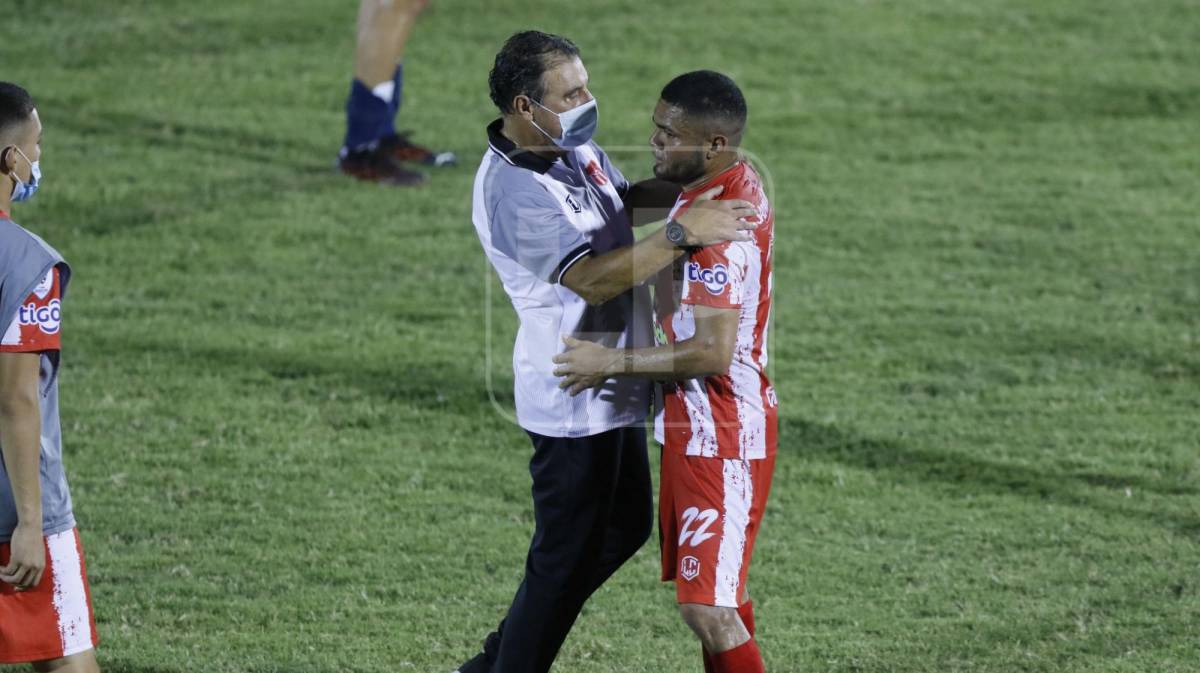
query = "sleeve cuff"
{"x": 569, "y": 260}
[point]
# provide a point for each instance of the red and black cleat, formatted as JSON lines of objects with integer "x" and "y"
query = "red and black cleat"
{"x": 375, "y": 164}
{"x": 400, "y": 148}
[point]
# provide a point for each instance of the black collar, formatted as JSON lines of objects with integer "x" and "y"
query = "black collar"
{"x": 512, "y": 154}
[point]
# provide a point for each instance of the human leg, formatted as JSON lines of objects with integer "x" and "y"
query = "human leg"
{"x": 82, "y": 662}
{"x": 630, "y": 506}
{"x": 718, "y": 628}
{"x": 573, "y": 484}
{"x": 631, "y": 503}
{"x": 711, "y": 510}
{"x": 52, "y": 624}
{"x": 382, "y": 32}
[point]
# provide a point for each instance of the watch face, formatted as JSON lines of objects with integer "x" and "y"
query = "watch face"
{"x": 675, "y": 233}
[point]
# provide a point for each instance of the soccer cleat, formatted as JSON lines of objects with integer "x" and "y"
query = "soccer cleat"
{"x": 400, "y": 148}
{"x": 374, "y": 164}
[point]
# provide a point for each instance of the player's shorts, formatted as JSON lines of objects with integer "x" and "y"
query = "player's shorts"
{"x": 53, "y": 619}
{"x": 709, "y": 511}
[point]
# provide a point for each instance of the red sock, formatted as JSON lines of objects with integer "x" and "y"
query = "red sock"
{"x": 744, "y": 658}
{"x": 746, "y": 612}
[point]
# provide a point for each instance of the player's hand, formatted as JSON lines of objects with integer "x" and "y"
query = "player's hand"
{"x": 585, "y": 364}
{"x": 28, "y": 559}
{"x": 708, "y": 222}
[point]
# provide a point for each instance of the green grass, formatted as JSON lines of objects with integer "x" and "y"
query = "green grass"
{"x": 283, "y": 451}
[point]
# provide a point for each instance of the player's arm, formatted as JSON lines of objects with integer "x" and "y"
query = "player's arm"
{"x": 649, "y": 201}
{"x": 709, "y": 352}
{"x": 599, "y": 278}
{"x": 20, "y": 444}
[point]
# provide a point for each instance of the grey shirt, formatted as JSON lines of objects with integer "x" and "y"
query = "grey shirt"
{"x": 24, "y": 261}
{"x": 535, "y": 218}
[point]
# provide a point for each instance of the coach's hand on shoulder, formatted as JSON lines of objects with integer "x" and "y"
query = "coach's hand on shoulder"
{"x": 28, "y": 558}
{"x": 708, "y": 222}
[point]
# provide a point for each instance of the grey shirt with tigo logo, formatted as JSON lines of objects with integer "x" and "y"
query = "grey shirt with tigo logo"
{"x": 25, "y": 259}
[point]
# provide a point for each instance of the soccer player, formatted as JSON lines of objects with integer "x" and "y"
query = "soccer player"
{"x": 718, "y": 425}
{"x": 373, "y": 150}
{"x": 45, "y": 607}
{"x": 550, "y": 211}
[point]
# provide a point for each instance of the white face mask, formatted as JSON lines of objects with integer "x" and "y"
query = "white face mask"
{"x": 23, "y": 191}
{"x": 578, "y": 124}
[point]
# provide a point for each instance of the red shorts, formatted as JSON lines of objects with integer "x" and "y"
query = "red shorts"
{"x": 53, "y": 619}
{"x": 709, "y": 513}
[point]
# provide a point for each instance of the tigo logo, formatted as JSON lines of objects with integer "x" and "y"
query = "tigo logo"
{"x": 714, "y": 279}
{"x": 48, "y": 318}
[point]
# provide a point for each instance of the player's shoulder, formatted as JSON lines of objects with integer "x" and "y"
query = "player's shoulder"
{"x": 11, "y": 232}
{"x": 18, "y": 243}
{"x": 742, "y": 182}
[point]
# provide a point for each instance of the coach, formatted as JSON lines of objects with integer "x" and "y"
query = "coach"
{"x": 551, "y": 212}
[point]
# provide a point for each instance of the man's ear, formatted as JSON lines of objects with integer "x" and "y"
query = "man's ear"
{"x": 716, "y": 145}
{"x": 6, "y": 157}
{"x": 522, "y": 105}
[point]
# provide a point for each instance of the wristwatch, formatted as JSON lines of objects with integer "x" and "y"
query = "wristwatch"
{"x": 676, "y": 234}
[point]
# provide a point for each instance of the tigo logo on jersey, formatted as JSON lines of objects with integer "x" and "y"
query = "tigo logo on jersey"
{"x": 714, "y": 279}
{"x": 689, "y": 567}
{"x": 48, "y": 318}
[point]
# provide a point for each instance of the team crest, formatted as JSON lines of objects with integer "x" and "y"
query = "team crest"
{"x": 596, "y": 173}
{"x": 574, "y": 204}
{"x": 689, "y": 568}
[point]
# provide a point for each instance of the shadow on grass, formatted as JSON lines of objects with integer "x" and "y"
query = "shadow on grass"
{"x": 445, "y": 384}
{"x": 168, "y": 132}
{"x": 973, "y": 474}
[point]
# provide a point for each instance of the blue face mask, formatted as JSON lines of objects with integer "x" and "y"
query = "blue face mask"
{"x": 578, "y": 124}
{"x": 23, "y": 191}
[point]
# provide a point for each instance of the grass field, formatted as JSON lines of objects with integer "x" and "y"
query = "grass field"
{"x": 283, "y": 451}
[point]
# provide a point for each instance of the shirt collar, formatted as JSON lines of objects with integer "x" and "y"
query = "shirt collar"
{"x": 717, "y": 179}
{"x": 514, "y": 155}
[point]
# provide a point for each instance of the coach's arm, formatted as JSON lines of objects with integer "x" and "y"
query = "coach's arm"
{"x": 599, "y": 278}
{"x": 21, "y": 446}
{"x": 709, "y": 352}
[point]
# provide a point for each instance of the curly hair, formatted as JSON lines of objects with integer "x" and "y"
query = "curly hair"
{"x": 522, "y": 61}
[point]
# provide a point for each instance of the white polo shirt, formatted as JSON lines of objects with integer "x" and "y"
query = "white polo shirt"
{"x": 535, "y": 219}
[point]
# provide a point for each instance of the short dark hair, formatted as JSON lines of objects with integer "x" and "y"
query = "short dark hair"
{"x": 16, "y": 105}
{"x": 522, "y": 61}
{"x": 708, "y": 95}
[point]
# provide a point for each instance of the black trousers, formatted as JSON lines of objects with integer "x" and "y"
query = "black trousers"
{"x": 593, "y": 509}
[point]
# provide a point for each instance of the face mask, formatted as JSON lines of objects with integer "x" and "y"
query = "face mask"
{"x": 578, "y": 124}
{"x": 23, "y": 191}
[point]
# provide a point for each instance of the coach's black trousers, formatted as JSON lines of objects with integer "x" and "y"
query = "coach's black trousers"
{"x": 593, "y": 509}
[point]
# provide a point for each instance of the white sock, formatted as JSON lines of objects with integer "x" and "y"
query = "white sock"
{"x": 384, "y": 90}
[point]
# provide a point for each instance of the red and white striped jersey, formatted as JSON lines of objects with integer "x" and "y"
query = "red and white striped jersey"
{"x": 735, "y": 414}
